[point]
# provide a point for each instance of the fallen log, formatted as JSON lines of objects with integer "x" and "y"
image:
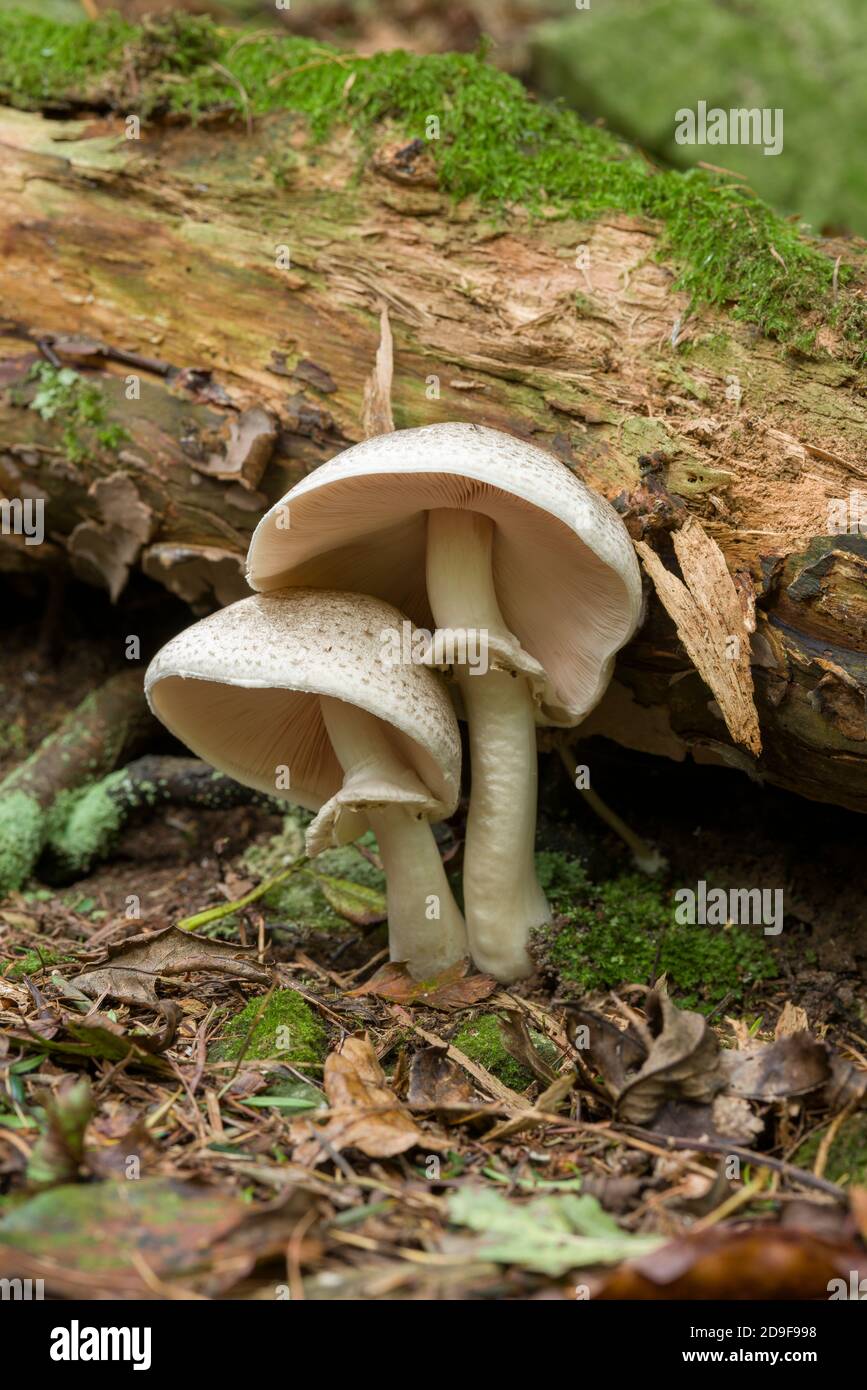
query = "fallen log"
{"x": 190, "y": 309}
{"x": 109, "y": 726}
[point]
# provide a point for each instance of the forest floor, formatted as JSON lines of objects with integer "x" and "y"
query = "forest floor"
{"x": 263, "y": 1107}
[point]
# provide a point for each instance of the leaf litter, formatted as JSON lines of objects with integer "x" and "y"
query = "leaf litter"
{"x": 405, "y": 1164}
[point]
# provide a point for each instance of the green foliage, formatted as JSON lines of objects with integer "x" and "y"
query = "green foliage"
{"x": 21, "y": 838}
{"x": 482, "y": 1041}
{"x": 635, "y": 65}
{"x": 495, "y": 143}
{"x": 300, "y": 900}
{"x": 78, "y": 405}
{"x": 847, "y": 1158}
{"x": 31, "y": 963}
{"x": 287, "y": 1029}
{"x": 83, "y": 824}
{"x": 624, "y": 932}
{"x": 551, "y": 1234}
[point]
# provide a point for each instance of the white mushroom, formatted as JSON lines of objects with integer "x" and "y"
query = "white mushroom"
{"x": 465, "y": 528}
{"x": 287, "y": 692}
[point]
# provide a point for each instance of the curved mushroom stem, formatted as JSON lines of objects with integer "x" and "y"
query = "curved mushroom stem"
{"x": 502, "y": 896}
{"x": 425, "y": 926}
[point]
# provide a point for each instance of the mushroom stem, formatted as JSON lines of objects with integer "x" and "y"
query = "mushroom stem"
{"x": 425, "y": 926}
{"x": 502, "y": 896}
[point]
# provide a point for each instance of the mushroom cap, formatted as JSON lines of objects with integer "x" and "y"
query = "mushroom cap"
{"x": 241, "y": 689}
{"x": 565, "y": 571}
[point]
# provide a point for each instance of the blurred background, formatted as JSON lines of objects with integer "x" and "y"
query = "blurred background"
{"x": 630, "y": 64}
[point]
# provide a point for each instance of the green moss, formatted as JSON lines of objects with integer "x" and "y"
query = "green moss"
{"x": 21, "y": 838}
{"x": 78, "y": 406}
{"x": 31, "y": 963}
{"x": 637, "y": 64}
{"x": 288, "y": 1030}
{"x": 482, "y": 1040}
{"x": 12, "y": 739}
{"x": 83, "y": 824}
{"x": 300, "y": 901}
{"x": 494, "y": 142}
{"x": 847, "y": 1159}
{"x": 624, "y": 932}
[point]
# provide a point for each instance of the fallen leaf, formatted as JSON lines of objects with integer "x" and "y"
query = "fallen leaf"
{"x": 519, "y": 1045}
{"x": 793, "y": 1019}
{"x": 57, "y": 1154}
{"x": 550, "y": 1234}
{"x": 364, "y": 1113}
{"x": 728, "y": 1119}
{"x": 437, "y": 1083}
{"x": 117, "y": 1239}
{"x": 115, "y": 1158}
{"x": 356, "y": 902}
{"x": 847, "y": 1084}
{"x": 682, "y": 1064}
{"x": 794, "y": 1065}
{"x": 132, "y": 969}
{"x": 452, "y": 989}
{"x": 765, "y": 1262}
{"x": 96, "y": 1037}
{"x": 612, "y": 1051}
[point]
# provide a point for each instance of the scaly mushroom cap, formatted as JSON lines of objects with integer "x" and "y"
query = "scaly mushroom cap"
{"x": 565, "y": 572}
{"x": 241, "y": 689}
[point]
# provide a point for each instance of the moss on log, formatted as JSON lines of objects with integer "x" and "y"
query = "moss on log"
{"x": 35, "y": 799}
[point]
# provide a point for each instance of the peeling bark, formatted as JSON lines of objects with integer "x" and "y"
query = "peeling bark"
{"x": 158, "y": 259}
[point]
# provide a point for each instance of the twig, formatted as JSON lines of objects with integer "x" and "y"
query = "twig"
{"x": 830, "y": 1135}
{"x": 339, "y": 58}
{"x": 734, "y": 1202}
{"x": 239, "y": 87}
{"x": 719, "y": 1146}
{"x": 213, "y": 914}
{"x": 645, "y": 857}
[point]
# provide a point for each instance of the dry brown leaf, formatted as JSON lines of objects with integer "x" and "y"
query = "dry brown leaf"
{"x": 683, "y": 1062}
{"x": 132, "y": 969}
{"x": 858, "y": 1203}
{"x": 791, "y": 1066}
{"x": 610, "y": 1050}
{"x": 764, "y": 1262}
{"x": 518, "y": 1043}
{"x": 793, "y": 1019}
{"x": 123, "y": 1240}
{"x": 364, "y": 1113}
{"x": 452, "y": 989}
{"x": 712, "y": 623}
{"x": 437, "y": 1083}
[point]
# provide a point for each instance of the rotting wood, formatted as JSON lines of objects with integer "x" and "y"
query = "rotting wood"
{"x": 163, "y": 251}
{"x": 712, "y": 625}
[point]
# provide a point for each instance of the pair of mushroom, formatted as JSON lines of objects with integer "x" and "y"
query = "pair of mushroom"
{"x": 296, "y": 691}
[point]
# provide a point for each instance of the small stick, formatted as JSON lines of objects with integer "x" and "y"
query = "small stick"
{"x": 213, "y": 914}
{"x": 646, "y": 858}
